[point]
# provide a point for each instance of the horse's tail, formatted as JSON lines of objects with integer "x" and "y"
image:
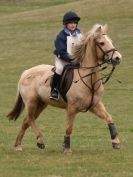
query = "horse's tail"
{"x": 17, "y": 109}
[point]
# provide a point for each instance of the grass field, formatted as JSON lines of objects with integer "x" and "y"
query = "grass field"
{"x": 27, "y": 31}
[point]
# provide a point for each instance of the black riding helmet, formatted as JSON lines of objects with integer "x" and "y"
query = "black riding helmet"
{"x": 70, "y": 17}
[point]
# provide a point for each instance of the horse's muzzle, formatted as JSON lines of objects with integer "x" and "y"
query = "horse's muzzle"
{"x": 116, "y": 60}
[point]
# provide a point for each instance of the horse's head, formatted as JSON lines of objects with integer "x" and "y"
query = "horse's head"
{"x": 105, "y": 50}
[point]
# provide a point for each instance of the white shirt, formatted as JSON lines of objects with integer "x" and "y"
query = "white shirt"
{"x": 73, "y": 40}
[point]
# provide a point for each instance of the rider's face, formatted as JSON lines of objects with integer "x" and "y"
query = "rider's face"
{"x": 71, "y": 26}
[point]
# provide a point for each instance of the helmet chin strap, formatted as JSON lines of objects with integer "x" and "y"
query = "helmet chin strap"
{"x": 69, "y": 32}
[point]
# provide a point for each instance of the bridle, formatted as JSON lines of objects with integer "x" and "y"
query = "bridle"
{"x": 106, "y": 53}
{"x": 106, "y": 60}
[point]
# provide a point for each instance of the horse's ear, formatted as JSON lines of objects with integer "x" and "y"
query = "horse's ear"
{"x": 106, "y": 28}
{"x": 98, "y": 30}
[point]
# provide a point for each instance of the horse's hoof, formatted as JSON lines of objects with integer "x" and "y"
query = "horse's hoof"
{"x": 67, "y": 151}
{"x": 40, "y": 145}
{"x": 116, "y": 145}
{"x": 18, "y": 148}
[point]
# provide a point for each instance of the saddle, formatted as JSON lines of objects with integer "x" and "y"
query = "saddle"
{"x": 66, "y": 79}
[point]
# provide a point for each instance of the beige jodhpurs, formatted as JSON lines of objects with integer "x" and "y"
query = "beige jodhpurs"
{"x": 59, "y": 65}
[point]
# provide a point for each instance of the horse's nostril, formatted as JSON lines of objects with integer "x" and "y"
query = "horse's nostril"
{"x": 117, "y": 59}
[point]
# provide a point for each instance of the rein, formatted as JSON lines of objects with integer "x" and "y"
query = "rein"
{"x": 92, "y": 87}
{"x": 94, "y": 72}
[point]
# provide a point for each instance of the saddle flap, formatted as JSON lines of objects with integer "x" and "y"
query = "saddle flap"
{"x": 66, "y": 80}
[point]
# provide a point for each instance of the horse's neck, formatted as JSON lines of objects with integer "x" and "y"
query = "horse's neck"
{"x": 90, "y": 59}
{"x": 91, "y": 62}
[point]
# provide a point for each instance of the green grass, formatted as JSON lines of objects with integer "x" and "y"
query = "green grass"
{"x": 27, "y": 31}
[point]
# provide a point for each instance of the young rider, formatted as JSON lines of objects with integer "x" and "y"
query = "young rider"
{"x": 69, "y": 36}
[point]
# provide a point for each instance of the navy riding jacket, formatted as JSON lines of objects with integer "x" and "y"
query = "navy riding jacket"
{"x": 61, "y": 44}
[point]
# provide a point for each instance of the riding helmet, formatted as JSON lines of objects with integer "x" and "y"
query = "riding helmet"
{"x": 70, "y": 17}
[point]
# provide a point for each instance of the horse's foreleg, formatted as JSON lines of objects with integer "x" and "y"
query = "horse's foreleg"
{"x": 100, "y": 110}
{"x": 69, "y": 127}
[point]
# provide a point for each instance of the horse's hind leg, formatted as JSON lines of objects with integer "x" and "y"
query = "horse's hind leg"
{"x": 39, "y": 136}
{"x": 20, "y": 135}
{"x": 34, "y": 108}
{"x": 100, "y": 110}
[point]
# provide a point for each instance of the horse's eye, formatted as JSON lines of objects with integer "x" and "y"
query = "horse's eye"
{"x": 101, "y": 43}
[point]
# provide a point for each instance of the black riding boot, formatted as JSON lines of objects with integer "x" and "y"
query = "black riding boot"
{"x": 54, "y": 90}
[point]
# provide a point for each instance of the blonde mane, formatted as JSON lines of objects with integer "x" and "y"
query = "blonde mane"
{"x": 79, "y": 51}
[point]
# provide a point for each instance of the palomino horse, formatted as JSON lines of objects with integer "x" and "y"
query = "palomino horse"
{"x": 85, "y": 92}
